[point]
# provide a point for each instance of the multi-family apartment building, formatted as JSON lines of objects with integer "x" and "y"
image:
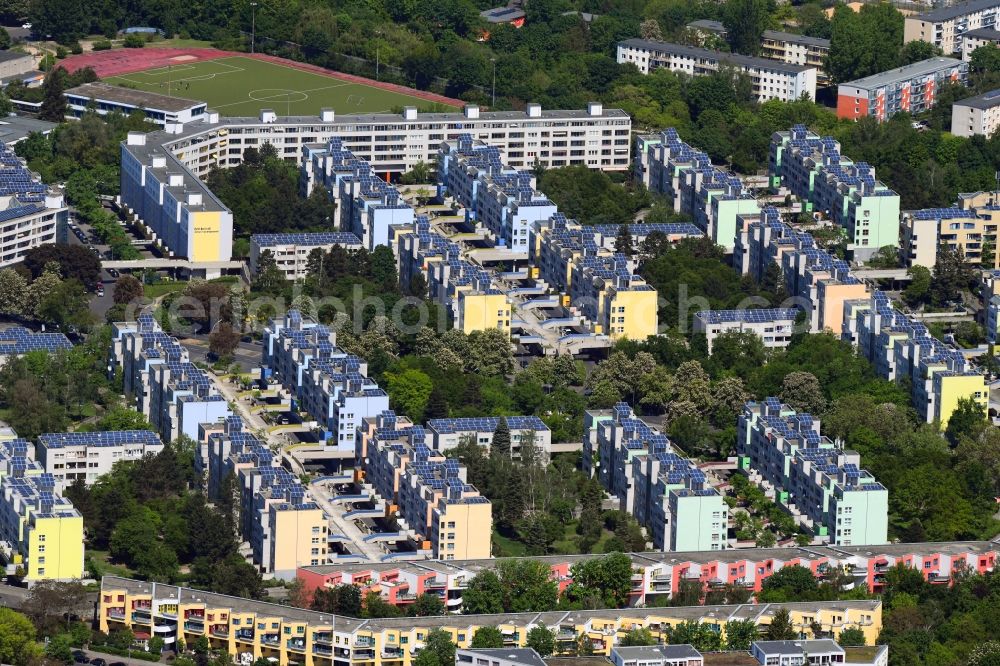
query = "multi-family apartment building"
{"x": 284, "y": 527}
{"x": 846, "y": 192}
{"x": 656, "y": 655}
{"x": 944, "y": 27}
{"x": 17, "y": 341}
{"x": 666, "y": 493}
{"x": 461, "y": 287}
{"x": 976, "y": 115}
{"x": 581, "y": 265}
{"x": 711, "y": 196}
{"x": 41, "y": 534}
{"x": 774, "y": 326}
{"x": 990, "y": 298}
{"x": 291, "y": 251}
{"x": 911, "y": 88}
{"x": 284, "y": 634}
{"x": 367, "y": 205}
{"x": 770, "y": 79}
{"x": 331, "y": 385}
{"x": 816, "y": 651}
{"x": 903, "y": 350}
{"x": 970, "y": 227}
{"x": 161, "y": 171}
{"x": 175, "y": 396}
{"x": 658, "y": 575}
{"x": 31, "y": 213}
{"x": 85, "y": 456}
{"x": 500, "y": 198}
{"x": 785, "y": 47}
{"x": 973, "y": 39}
{"x": 819, "y": 281}
{"x": 429, "y": 491}
{"x": 105, "y": 98}
{"x": 446, "y": 434}
{"x": 176, "y": 209}
{"x": 811, "y": 476}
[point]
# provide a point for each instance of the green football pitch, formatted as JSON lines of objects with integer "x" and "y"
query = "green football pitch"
{"x": 238, "y": 86}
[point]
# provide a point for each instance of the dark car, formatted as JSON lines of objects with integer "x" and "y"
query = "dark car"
{"x": 99, "y": 662}
{"x": 118, "y": 663}
{"x": 113, "y": 273}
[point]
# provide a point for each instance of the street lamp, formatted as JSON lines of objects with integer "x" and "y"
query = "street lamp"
{"x": 253, "y": 27}
{"x": 493, "y": 103}
{"x": 378, "y": 46}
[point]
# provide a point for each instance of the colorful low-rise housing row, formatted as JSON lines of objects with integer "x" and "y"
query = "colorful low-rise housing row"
{"x": 41, "y": 533}
{"x": 659, "y": 575}
{"x": 287, "y": 635}
{"x": 331, "y": 385}
{"x": 665, "y": 492}
{"x": 712, "y": 196}
{"x": 427, "y": 491}
{"x": 912, "y": 88}
{"x": 166, "y": 387}
{"x": 815, "y": 479}
{"x": 845, "y": 192}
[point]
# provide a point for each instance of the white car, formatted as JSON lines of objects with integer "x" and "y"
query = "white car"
{"x": 26, "y": 26}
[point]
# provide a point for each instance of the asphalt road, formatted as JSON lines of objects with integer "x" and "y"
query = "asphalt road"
{"x": 12, "y": 597}
{"x": 247, "y": 355}
{"x": 114, "y": 659}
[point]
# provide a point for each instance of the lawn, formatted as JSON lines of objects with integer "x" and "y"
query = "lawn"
{"x": 239, "y": 86}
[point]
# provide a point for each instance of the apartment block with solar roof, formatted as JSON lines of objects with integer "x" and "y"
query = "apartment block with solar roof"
{"x": 446, "y": 434}
{"x": 774, "y": 326}
{"x": 665, "y": 492}
{"x": 291, "y": 251}
{"x": 31, "y": 213}
{"x": 84, "y": 456}
{"x": 41, "y": 533}
{"x": 17, "y": 341}
{"x": 969, "y": 227}
{"x": 428, "y": 492}
{"x": 816, "y": 480}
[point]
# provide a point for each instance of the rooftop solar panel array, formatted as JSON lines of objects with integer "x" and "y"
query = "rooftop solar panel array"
{"x": 16, "y": 340}
{"x": 342, "y": 238}
{"x": 485, "y": 424}
{"x": 111, "y": 438}
{"x": 18, "y": 182}
{"x": 751, "y": 315}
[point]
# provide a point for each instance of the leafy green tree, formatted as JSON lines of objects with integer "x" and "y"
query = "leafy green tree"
{"x": 500, "y": 447}
{"x": 427, "y": 605}
{"x": 968, "y": 419}
{"x": 851, "y": 637}
{"x": 375, "y": 606}
{"x": 542, "y": 640}
{"x": 410, "y": 391}
{"x": 741, "y": 634}
{"x": 53, "y": 106}
{"x": 637, "y": 637}
{"x": 986, "y": 58}
{"x": 344, "y": 599}
{"x": 439, "y": 643}
{"x": 789, "y": 583}
{"x": 484, "y": 594}
{"x": 919, "y": 288}
{"x": 17, "y": 638}
{"x": 608, "y": 578}
{"x": 120, "y": 417}
{"x": 916, "y": 51}
{"x": 487, "y": 637}
{"x": 745, "y": 22}
{"x": 127, "y": 290}
{"x": 59, "y": 650}
{"x": 781, "y": 627}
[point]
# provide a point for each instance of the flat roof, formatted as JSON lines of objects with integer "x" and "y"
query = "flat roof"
{"x": 7, "y": 56}
{"x": 722, "y": 56}
{"x": 15, "y": 128}
{"x": 982, "y": 33}
{"x": 708, "y": 24}
{"x": 796, "y": 39}
{"x": 136, "y": 98}
{"x": 948, "y": 13}
{"x": 191, "y": 184}
{"x": 921, "y": 68}
{"x": 985, "y": 101}
{"x": 526, "y": 656}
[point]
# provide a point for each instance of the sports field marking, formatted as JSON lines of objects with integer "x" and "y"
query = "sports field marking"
{"x": 166, "y": 70}
{"x": 253, "y": 97}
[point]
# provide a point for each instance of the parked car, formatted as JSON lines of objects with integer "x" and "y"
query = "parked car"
{"x": 99, "y": 662}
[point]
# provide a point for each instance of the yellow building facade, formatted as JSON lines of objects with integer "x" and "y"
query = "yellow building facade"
{"x": 481, "y": 311}
{"x": 250, "y": 630}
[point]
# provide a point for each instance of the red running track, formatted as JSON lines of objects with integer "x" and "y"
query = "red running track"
{"x": 116, "y": 62}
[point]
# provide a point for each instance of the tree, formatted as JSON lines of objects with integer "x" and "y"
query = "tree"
{"x": 490, "y": 353}
{"x": 409, "y": 391}
{"x": 224, "y": 340}
{"x": 17, "y": 638}
{"x": 487, "y": 637}
{"x": 500, "y": 446}
{"x": 59, "y": 649}
{"x": 650, "y": 29}
{"x": 542, "y": 640}
{"x": 53, "y": 106}
{"x": 623, "y": 241}
{"x": 745, "y": 22}
{"x": 343, "y": 599}
{"x": 986, "y": 58}
{"x": 920, "y": 285}
{"x": 427, "y": 605}
{"x": 741, "y": 634}
{"x": 916, "y": 51}
{"x": 437, "y": 404}
{"x": 789, "y": 583}
{"x": 127, "y": 290}
{"x": 50, "y": 604}
{"x": 13, "y": 293}
{"x": 439, "y": 643}
{"x": 484, "y": 595}
{"x": 781, "y": 628}
{"x": 851, "y": 637}
{"x": 120, "y": 417}
{"x": 802, "y": 392}
{"x": 968, "y": 419}
{"x": 375, "y": 606}
{"x": 637, "y": 637}
{"x": 609, "y": 578}
{"x": 4, "y": 38}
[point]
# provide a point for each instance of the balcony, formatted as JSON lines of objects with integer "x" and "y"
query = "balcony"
{"x": 116, "y": 613}
{"x": 364, "y": 641}
{"x": 391, "y": 652}
{"x": 271, "y": 639}
{"x": 141, "y": 617}
{"x": 196, "y": 626}
{"x": 219, "y": 632}
{"x": 245, "y": 635}
{"x": 323, "y": 637}
{"x": 297, "y": 644}
{"x": 363, "y": 655}
{"x": 324, "y": 650}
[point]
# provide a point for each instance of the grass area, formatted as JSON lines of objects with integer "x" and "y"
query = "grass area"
{"x": 507, "y": 547}
{"x": 162, "y": 288}
{"x": 568, "y": 545}
{"x": 240, "y": 86}
{"x": 103, "y": 561}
